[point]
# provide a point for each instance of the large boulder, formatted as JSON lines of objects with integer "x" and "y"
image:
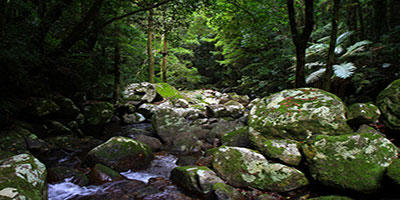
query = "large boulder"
{"x": 22, "y": 177}
{"x": 243, "y": 167}
{"x": 299, "y": 113}
{"x": 393, "y": 171}
{"x": 142, "y": 92}
{"x": 169, "y": 124}
{"x": 98, "y": 113}
{"x": 196, "y": 179}
{"x": 60, "y": 173}
{"x": 224, "y": 191}
{"x": 121, "y": 154}
{"x": 14, "y": 140}
{"x": 101, "y": 174}
{"x": 68, "y": 109}
{"x": 388, "y": 102}
{"x": 356, "y": 162}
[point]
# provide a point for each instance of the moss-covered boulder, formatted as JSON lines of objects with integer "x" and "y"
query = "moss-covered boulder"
{"x": 22, "y": 177}
{"x": 355, "y": 162}
{"x": 224, "y": 191}
{"x": 393, "y": 171}
{"x": 299, "y": 113}
{"x": 331, "y": 197}
{"x": 221, "y": 127}
{"x": 98, "y": 113}
{"x": 238, "y": 138}
{"x": 198, "y": 179}
{"x": 363, "y": 113}
{"x": 133, "y": 118}
{"x": 41, "y": 106}
{"x": 388, "y": 102}
{"x": 101, "y": 174}
{"x": 243, "y": 167}
{"x": 285, "y": 150}
{"x": 121, "y": 154}
{"x": 60, "y": 173}
{"x": 68, "y": 109}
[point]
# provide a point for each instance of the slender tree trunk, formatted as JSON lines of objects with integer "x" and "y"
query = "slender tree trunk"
{"x": 331, "y": 53}
{"x": 164, "y": 60}
{"x": 300, "y": 38}
{"x": 149, "y": 46}
{"x": 352, "y": 20}
{"x": 361, "y": 20}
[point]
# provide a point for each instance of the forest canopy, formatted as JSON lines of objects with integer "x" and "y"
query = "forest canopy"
{"x": 89, "y": 50}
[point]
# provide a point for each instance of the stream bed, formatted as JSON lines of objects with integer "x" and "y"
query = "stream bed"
{"x": 161, "y": 166}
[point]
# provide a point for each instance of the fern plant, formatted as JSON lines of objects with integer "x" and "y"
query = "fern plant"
{"x": 316, "y": 56}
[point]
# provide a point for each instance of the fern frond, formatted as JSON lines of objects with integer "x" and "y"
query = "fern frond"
{"x": 357, "y": 47}
{"x": 344, "y": 70}
{"x": 315, "y": 76}
{"x": 314, "y": 64}
{"x": 343, "y": 37}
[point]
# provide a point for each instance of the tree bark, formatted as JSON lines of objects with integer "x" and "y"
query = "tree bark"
{"x": 149, "y": 46}
{"x": 332, "y": 45}
{"x": 2, "y": 16}
{"x": 164, "y": 60}
{"x": 352, "y": 20}
{"x": 300, "y": 38}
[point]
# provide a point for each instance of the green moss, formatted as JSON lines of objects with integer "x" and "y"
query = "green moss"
{"x": 350, "y": 161}
{"x": 98, "y": 113}
{"x": 167, "y": 91}
{"x": 389, "y": 104}
{"x": 393, "y": 171}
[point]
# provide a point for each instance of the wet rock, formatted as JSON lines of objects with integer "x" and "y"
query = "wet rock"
{"x": 186, "y": 161}
{"x": 393, "y": 171}
{"x": 367, "y": 129}
{"x": 299, "y": 113}
{"x": 97, "y": 113}
{"x": 195, "y": 179}
{"x": 223, "y": 191}
{"x": 356, "y": 162}
{"x": 40, "y": 107}
{"x": 35, "y": 144}
{"x": 388, "y": 102}
{"x": 237, "y": 138}
{"x": 22, "y": 177}
{"x": 362, "y": 113}
{"x": 287, "y": 151}
{"x": 121, "y": 154}
{"x": 152, "y": 142}
{"x": 134, "y": 118}
{"x": 60, "y": 173}
{"x": 101, "y": 174}
{"x": 255, "y": 170}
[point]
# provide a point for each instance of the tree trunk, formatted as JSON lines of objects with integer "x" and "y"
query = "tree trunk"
{"x": 2, "y": 16}
{"x": 352, "y": 20}
{"x": 164, "y": 60}
{"x": 394, "y": 16}
{"x": 300, "y": 38}
{"x": 149, "y": 46}
{"x": 380, "y": 18}
{"x": 332, "y": 45}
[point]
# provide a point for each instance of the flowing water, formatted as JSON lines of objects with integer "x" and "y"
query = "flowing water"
{"x": 160, "y": 167}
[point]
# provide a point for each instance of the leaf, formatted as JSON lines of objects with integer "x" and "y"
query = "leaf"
{"x": 343, "y": 37}
{"x": 344, "y": 70}
{"x": 358, "y": 46}
{"x": 315, "y": 76}
{"x": 386, "y": 65}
